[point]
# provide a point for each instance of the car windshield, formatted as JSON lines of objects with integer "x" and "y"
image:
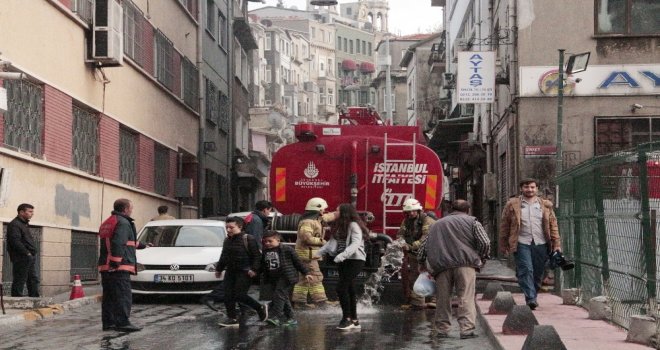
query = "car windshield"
{"x": 183, "y": 236}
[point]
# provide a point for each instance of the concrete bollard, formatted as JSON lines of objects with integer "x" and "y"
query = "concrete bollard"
{"x": 502, "y": 304}
{"x": 519, "y": 321}
{"x": 570, "y": 296}
{"x": 491, "y": 290}
{"x": 599, "y": 308}
{"x": 543, "y": 338}
{"x": 642, "y": 329}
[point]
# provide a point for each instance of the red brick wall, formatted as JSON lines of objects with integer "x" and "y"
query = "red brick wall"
{"x": 109, "y": 148}
{"x": 2, "y": 124}
{"x": 58, "y": 124}
{"x": 148, "y": 46}
{"x": 146, "y": 163}
{"x": 174, "y": 164}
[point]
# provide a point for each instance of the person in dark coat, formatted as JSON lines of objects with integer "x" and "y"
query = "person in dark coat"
{"x": 257, "y": 221}
{"x": 23, "y": 253}
{"x": 280, "y": 265}
{"x": 241, "y": 259}
{"x": 117, "y": 261}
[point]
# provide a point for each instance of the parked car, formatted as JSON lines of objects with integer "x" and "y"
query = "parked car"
{"x": 182, "y": 258}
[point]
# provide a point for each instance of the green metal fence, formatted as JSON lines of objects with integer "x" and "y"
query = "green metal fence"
{"x": 608, "y": 208}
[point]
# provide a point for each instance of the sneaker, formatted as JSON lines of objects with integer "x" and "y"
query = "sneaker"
{"x": 356, "y": 324}
{"x": 273, "y": 321}
{"x": 345, "y": 324}
{"x": 263, "y": 313}
{"x": 228, "y": 322}
{"x": 290, "y": 322}
{"x": 533, "y": 305}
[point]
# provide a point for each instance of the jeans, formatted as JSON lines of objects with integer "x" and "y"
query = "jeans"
{"x": 280, "y": 308}
{"x": 25, "y": 271}
{"x": 237, "y": 284}
{"x": 348, "y": 271}
{"x": 530, "y": 265}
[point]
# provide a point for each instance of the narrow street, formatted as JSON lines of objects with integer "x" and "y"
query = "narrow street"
{"x": 184, "y": 324}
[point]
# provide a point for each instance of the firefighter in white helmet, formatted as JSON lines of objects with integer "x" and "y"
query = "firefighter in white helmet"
{"x": 413, "y": 231}
{"x": 308, "y": 242}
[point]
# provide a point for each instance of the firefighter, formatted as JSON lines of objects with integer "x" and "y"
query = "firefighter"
{"x": 413, "y": 231}
{"x": 308, "y": 242}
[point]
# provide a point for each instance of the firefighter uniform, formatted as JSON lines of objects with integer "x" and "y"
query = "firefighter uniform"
{"x": 310, "y": 239}
{"x": 414, "y": 232}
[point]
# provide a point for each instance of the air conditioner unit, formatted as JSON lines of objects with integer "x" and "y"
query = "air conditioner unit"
{"x": 447, "y": 80}
{"x": 107, "y": 35}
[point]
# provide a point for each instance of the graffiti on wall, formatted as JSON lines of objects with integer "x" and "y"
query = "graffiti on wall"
{"x": 71, "y": 204}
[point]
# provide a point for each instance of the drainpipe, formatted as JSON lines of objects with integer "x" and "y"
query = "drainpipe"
{"x": 513, "y": 80}
{"x": 201, "y": 163}
{"x": 231, "y": 137}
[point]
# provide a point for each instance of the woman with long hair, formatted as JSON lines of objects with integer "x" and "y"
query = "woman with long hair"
{"x": 346, "y": 245}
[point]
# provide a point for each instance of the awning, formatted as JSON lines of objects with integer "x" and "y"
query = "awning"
{"x": 348, "y": 65}
{"x": 367, "y": 67}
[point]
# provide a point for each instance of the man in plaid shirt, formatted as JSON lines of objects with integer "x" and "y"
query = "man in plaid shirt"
{"x": 456, "y": 247}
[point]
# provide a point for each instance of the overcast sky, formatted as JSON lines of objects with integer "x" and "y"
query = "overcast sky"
{"x": 406, "y": 16}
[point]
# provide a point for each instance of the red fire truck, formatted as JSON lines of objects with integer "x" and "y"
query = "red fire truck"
{"x": 360, "y": 161}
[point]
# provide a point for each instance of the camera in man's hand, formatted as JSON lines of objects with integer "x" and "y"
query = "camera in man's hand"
{"x": 557, "y": 260}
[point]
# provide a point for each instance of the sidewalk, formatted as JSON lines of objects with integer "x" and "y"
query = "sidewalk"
{"x": 39, "y": 308}
{"x": 575, "y": 329}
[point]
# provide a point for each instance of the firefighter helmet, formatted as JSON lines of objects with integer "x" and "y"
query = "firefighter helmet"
{"x": 316, "y": 204}
{"x": 411, "y": 204}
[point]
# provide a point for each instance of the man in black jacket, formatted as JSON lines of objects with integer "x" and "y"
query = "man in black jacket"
{"x": 257, "y": 221}
{"x": 117, "y": 261}
{"x": 23, "y": 253}
{"x": 241, "y": 258}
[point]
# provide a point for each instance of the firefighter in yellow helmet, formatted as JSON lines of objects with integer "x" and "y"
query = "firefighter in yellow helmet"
{"x": 413, "y": 230}
{"x": 308, "y": 242}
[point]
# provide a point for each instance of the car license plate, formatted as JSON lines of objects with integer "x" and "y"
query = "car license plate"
{"x": 174, "y": 278}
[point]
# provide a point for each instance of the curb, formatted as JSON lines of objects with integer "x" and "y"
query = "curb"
{"x": 488, "y": 330}
{"x": 49, "y": 311}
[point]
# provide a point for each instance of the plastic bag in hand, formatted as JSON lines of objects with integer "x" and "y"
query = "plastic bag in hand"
{"x": 424, "y": 285}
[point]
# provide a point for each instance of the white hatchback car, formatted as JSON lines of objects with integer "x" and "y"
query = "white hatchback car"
{"x": 182, "y": 258}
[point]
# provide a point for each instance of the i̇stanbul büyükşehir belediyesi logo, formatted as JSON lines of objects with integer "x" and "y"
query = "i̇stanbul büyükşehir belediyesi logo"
{"x": 311, "y": 171}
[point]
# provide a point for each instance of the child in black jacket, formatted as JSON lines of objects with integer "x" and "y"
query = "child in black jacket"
{"x": 280, "y": 265}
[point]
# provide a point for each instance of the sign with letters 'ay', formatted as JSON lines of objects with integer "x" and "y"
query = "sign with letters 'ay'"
{"x": 475, "y": 81}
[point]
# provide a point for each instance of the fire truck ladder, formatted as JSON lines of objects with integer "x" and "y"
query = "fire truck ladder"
{"x": 401, "y": 196}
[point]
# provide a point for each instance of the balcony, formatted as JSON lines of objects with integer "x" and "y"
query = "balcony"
{"x": 436, "y": 60}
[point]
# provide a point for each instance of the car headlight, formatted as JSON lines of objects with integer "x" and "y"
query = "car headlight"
{"x": 210, "y": 267}
{"x": 139, "y": 267}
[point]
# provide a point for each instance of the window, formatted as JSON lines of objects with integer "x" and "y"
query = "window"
{"x": 627, "y": 17}
{"x": 161, "y": 169}
{"x": 222, "y": 30}
{"x": 269, "y": 39}
{"x": 313, "y": 33}
{"x": 330, "y": 96}
{"x": 24, "y": 119}
{"x": 223, "y": 123}
{"x": 357, "y": 47}
{"x": 190, "y": 84}
{"x": 212, "y": 102}
{"x": 349, "y": 11}
{"x": 322, "y": 35}
{"x": 619, "y": 134}
{"x": 345, "y": 45}
{"x": 268, "y": 75}
{"x": 350, "y": 46}
{"x": 84, "y": 255}
{"x": 127, "y": 157}
{"x": 321, "y": 95}
{"x": 211, "y": 17}
{"x": 85, "y": 141}
{"x": 330, "y": 65}
{"x": 84, "y": 9}
{"x": 133, "y": 35}
{"x": 338, "y": 43}
{"x": 164, "y": 60}
{"x": 364, "y": 47}
{"x": 369, "y": 46}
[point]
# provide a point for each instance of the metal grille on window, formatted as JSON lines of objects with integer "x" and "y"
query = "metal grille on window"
{"x": 161, "y": 167}
{"x": 24, "y": 119}
{"x": 212, "y": 102}
{"x": 127, "y": 157}
{"x": 7, "y": 276}
{"x": 164, "y": 60}
{"x": 85, "y": 139}
{"x": 190, "y": 84}
{"x": 223, "y": 123}
{"x": 133, "y": 32}
{"x": 84, "y": 9}
{"x": 84, "y": 255}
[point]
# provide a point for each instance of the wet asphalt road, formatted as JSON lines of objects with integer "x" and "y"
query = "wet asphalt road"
{"x": 183, "y": 324}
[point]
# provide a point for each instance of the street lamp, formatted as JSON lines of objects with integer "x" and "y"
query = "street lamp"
{"x": 576, "y": 63}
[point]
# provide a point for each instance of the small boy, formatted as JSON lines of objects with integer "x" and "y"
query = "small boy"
{"x": 281, "y": 265}
{"x": 240, "y": 258}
